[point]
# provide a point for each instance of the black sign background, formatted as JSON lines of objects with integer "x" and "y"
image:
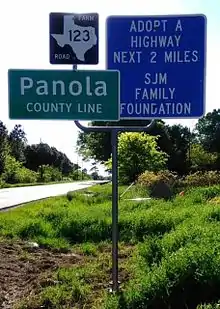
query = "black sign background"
{"x": 56, "y": 27}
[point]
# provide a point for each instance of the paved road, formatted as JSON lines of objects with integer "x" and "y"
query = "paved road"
{"x": 15, "y": 196}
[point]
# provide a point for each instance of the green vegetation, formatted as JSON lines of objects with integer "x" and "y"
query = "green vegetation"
{"x": 169, "y": 250}
{"x": 197, "y": 179}
{"x": 137, "y": 152}
{"x": 186, "y": 151}
{"x": 21, "y": 163}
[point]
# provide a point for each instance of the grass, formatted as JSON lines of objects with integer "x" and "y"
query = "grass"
{"x": 169, "y": 250}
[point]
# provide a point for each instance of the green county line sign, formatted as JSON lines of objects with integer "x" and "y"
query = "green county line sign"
{"x": 64, "y": 94}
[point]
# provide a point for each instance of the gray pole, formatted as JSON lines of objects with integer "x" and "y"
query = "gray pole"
{"x": 75, "y": 69}
{"x": 114, "y": 140}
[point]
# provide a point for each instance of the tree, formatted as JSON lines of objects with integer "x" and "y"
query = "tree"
{"x": 201, "y": 159}
{"x": 42, "y": 154}
{"x": 11, "y": 169}
{"x": 66, "y": 166}
{"x": 49, "y": 173}
{"x": 94, "y": 171}
{"x": 208, "y": 131}
{"x": 164, "y": 141}
{"x": 4, "y": 146}
{"x": 179, "y": 139}
{"x": 94, "y": 145}
{"x": 97, "y": 146}
{"x": 38, "y": 154}
{"x": 18, "y": 142}
{"x": 138, "y": 152}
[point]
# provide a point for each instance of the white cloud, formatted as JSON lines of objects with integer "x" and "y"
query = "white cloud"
{"x": 25, "y": 44}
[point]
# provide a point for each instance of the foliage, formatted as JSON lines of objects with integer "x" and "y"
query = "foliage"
{"x": 49, "y": 173}
{"x": 206, "y": 178}
{"x": 43, "y": 154}
{"x": 79, "y": 174}
{"x": 11, "y": 168}
{"x": 180, "y": 138}
{"x": 209, "y": 306}
{"x": 75, "y": 175}
{"x": 208, "y": 131}
{"x": 15, "y": 173}
{"x": 24, "y": 175}
{"x": 197, "y": 179}
{"x": 97, "y": 145}
{"x": 160, "y": 184}
{"x": 11, "y": 145}
{"x": 4, "y": 146}
{"x": 201, "y": 159}
{"x": 20, "y": 162}
{"x": 138, "y": 152}
{"x": 2, "y": 183}
{"x": 148, "y": 179}
{"x": 169, "y": 251}
{"x": 185, "y": 151}
{"x": 17, "y": 140}
{"x": 174, "y": 140}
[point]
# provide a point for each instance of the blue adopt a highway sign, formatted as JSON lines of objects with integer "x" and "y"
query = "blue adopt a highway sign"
{"x": 74, "y": 38}
{"x": 162, "y": 64}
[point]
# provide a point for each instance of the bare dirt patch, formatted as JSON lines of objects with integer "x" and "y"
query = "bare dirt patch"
{"x": 23, "y": 269}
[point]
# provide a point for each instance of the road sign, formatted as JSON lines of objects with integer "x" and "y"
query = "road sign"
{"x": 74, "y": 38}
{"x": 162, "y": 62}
{"x": 64, "y": 94}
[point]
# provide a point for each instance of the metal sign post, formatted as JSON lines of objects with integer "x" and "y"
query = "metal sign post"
{"x": 114, "y": 140}
{"x": 114, "y": 143}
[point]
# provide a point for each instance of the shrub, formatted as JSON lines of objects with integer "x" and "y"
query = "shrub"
{"x": 69, "y": 179}
{"x": 208, "y": 193}
{"x": 49, "y": 173}
{"x": 184, "y": 279}
{"x": 137, "y": 152}
{"x": 200, "y": 158}
{"x": 159, "y": 184}
{"x": 10, "y": 169}
{"x": 2, "y": 183}
{"x": 24, "y": 175}
{"x": 33, "y": 228}
{"x": 149, "y": 179}
{"x": 75, "y": 175}
{"x": 198, "y": 179}
{"x": 207, "y": 178}
{"x": 71, "y": 195}
{"x": 209, "y": 306}
{"x": 14, "y": 172}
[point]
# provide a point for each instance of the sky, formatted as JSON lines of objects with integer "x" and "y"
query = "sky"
{"x": 24, "y": 28}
